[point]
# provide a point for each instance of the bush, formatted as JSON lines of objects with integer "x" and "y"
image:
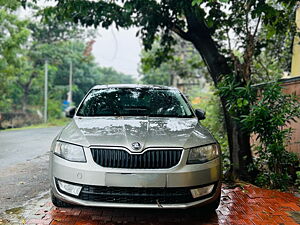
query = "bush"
{"x": 268, "y": 118}
{"x": 297, "y": 182}
{"x": 54, "y": 109}
{"x": 264, "y": 111}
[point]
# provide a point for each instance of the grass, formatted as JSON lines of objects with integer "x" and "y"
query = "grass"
{"x": 51, "y": 123}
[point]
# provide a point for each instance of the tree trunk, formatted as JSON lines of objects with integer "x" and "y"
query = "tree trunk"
{"x": 25, "y": 99}
{"x": 26, "y": 87}
{"x": 240, "y": 150}
{"x": 239, "y": 141}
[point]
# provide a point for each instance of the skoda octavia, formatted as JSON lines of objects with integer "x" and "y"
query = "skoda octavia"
{"x": 135, "y": 146}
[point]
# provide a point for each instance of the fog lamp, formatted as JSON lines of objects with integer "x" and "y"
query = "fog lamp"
{"x": 69, "y": 188}
{"x": 198, "y": 192}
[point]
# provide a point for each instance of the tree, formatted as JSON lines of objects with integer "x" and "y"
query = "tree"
{"x": 47, "y": 42}
{"x": 268, "y": 118}
{"x": 204, "y": 23}
{"x": 14, "y": 34}
{"x": 86, "y": 72}
{"x": 275, "y": 58}
{"x": 107, "y": 75}
{"x": 25, "y": 44}
{"x": 184, "y": 63}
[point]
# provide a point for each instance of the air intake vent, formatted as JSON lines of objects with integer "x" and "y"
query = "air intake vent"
{"x": 151, "y": 159}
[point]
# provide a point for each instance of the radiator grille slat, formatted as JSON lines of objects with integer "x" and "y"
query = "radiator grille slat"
{"x": 136, "y": 195}
{"x": 151, "y": 159}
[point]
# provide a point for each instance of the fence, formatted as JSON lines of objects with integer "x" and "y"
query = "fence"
{"x": 292, "y": 86}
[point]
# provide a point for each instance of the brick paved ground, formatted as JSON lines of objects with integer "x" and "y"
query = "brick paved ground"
{"x": 248, "y": 205}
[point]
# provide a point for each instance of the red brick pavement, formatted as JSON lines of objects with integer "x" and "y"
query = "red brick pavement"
{"x": 247, "y": 205}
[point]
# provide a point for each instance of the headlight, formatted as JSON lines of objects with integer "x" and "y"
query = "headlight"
{"x": 70, "y": 152}
{"x": 203, "y": 154}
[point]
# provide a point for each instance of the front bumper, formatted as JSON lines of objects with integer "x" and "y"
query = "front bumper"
{"x": 181, "y": 176}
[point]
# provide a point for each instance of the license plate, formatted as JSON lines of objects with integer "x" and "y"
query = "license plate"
{"x": 135, "y": 180}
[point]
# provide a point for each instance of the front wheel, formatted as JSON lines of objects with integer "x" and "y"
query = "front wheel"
{"x": 59, "y": 203}
{"x": 213, "y": 205}
{"x": 208, "y": 209}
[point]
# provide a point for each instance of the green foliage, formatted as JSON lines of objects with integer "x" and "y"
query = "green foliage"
{"x": 265, "y": 111}
{"x": 157, "y": 76}
{"x": 10, "y": 5}
{"x": 54, "y": 109}
{"x": 54, "y": 31}
{"x": 107, "y": 75}
{"x": 238, "y": 97}
{"x": 297, "y": 182}
{"x": 154, "y": 17}
{"x": 275, "y": 59}
{"x": 214, "y": 119}
{"x": 268, "y": 118}
{"x": 185, "y": 63}
{"x": 25, "y": 45}
{"x": 48, "y": 40}
{"x": 14, "y": 34}
{"x": 88, "y": 74}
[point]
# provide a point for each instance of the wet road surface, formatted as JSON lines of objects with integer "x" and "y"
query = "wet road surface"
{"x": 24, "y": 165}
{"x": 19, "y": 146}
{"x": 240, "y": 205}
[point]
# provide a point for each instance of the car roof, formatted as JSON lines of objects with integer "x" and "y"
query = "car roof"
{"x": 133, "y": 86}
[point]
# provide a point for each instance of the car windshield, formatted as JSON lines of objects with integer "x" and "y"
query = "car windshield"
{"x": 135, "y": 102}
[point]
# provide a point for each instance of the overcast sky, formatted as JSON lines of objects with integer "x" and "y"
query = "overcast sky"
{"x": 119, "y": 49}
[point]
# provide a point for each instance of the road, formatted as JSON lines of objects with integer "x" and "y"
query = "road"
{"x": 24, "y": 165}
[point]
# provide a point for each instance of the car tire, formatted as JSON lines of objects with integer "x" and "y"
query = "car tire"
{"x": 211, "y": 207}
{"x": 59, "y": 203}
{"x": 204, "y": 210}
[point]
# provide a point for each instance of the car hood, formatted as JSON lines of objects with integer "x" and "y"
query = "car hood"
{"x": 148, "y": 131}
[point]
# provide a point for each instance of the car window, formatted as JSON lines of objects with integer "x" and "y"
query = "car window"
{"x": 135, "y": 102}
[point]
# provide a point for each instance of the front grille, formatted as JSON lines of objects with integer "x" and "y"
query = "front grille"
{"x": 136, "y": 195}
{"x": 151, "y": 159}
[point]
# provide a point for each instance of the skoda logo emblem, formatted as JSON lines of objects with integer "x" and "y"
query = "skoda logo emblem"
{"x": 136, "y": 146}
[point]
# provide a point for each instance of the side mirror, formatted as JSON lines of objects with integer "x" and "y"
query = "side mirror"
{"x": 70, "y": 112}
{"x": 187, "y": 97}
{"x": 200, "y": 114}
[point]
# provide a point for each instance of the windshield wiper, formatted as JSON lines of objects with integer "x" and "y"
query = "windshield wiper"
{"x": 171, "y": 116}
{"x": 135, "y": 109}
{"x": 138, "y": 108}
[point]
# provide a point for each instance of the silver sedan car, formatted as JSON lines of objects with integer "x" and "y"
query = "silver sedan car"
{"x": 135, "y": 146}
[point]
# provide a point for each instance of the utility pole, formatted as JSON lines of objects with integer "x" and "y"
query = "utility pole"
{"x": 46, "y": 92}
{"x": 70, "y": 83}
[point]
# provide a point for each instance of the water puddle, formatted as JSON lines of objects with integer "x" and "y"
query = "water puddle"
{"x": 18, "y": 215}
{"x": 13, "y": 216}
{"x": 295, "y": 216}
{"x": 17, "y": 210}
